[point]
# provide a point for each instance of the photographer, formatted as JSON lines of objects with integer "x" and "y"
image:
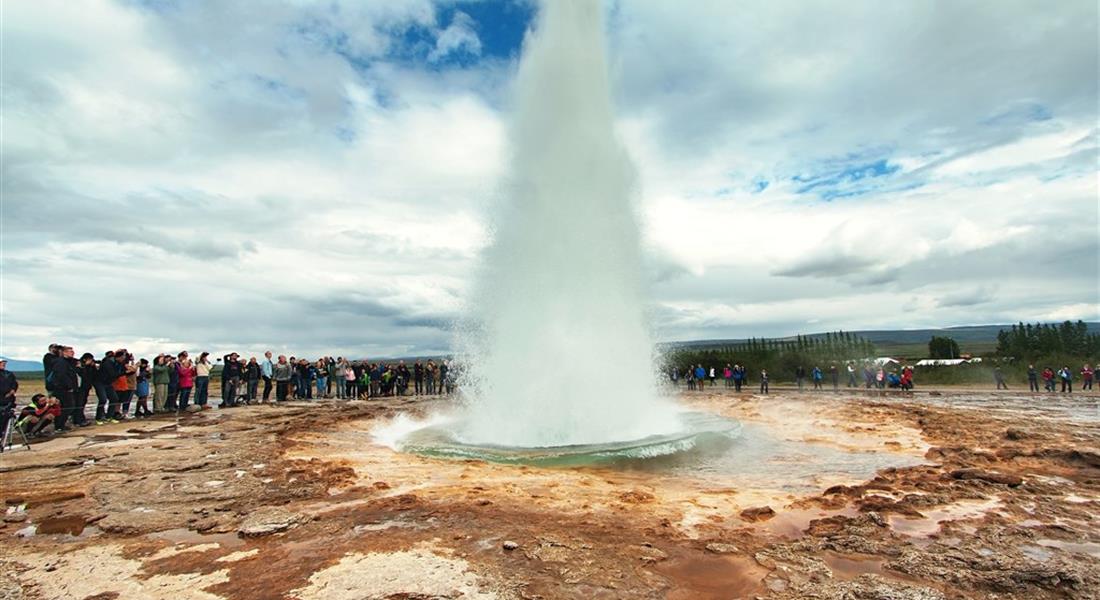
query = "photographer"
{"x": 9, "y": 385}
{"x": 86, "y": 370}
{"x": 231, "y": 378}
{"x": 107, "y": 399}
{"x": 62, "y": 382}
{"x": 160, "y": 383}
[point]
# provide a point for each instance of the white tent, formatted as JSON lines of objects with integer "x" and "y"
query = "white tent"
{"x": 940, "y": 362}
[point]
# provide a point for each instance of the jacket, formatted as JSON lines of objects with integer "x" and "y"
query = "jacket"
{"x": 160, "y": 375}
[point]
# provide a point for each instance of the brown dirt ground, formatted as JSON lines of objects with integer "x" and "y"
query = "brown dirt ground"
{"x": 266, "y": 502}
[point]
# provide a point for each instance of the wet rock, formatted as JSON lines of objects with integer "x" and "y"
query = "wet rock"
{"x": 649, "y": 554}
{"x": 1014, "y": 434}
{"x": 509, "y": 545}
{"x": 721, "y": 548}
{"x": 759, "y": 513}
{"x": 267, "y": 521}
{"x": 990, "y": 476}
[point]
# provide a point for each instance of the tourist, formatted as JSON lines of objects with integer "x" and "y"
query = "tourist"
{"x": 330, "y": 371}
{"x": 160, "y": 383}
{"x": 880, "y": 378}
{"x": 267, "y": 372}
{"x": 446, "y": 378}
{"x": 40, "y": 413}
{"x": 143, "y": 376}
{"x": 252, "y": 373}
{"x": 108, "y": 398}
{"x": 349, "y": 381}
{"x": 712, "y": 376}
{"x": 800, "y": 376}
{"x": 88, "y": 370}
{"x": 339, "y": 377}
{"x": 9, "y": 386}
{"x": 231, "y": 379}
{"x": 851, "y": 375}
{"x": 418, "y": 378}
{"x": 907, "y": 378}
{"x": 739, "y": 376}
{"x": 727, "y": 375}
{"x": 868, "y": 376}
{"x": 1032, "y": 379}
{"x": 430, "y": 372}
{"x": 171, "y": 404}
{"x": 185, "y": 380}
{"x": 817, "y": 377}
{"x": 62, "y": 382}
{"x": 282, "y": 373}
{"x": 1048, "y": 379}
{"x": 121, "y": 385}
{"x": 1086, "y": 377}
{"x": 1066, "y": 376}
{"x": 202, "y": 380}
{"x": 131, "y": 369}
{"x": 362, "y": 385}
{"x": 321, "y": 369}
{"x": 834, "y": 374}
{"x": 700, "y": 377}
{"x": 999, "y": 379}
{"x": 763, "y": 381}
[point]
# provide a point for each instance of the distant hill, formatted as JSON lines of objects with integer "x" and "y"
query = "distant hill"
{"x": 905, "y": 342}
{"x": 23, "y": 366}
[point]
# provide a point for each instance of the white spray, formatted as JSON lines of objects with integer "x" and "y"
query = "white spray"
{"x": 560, "y": 353}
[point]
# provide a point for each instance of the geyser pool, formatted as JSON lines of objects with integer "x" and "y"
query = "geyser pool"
{"x": 557, "y": 351}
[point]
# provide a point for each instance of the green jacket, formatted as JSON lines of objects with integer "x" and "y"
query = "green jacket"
{"x": 160, "y": 375}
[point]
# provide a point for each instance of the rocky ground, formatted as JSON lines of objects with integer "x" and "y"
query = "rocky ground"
{"x": 997, "y": 497}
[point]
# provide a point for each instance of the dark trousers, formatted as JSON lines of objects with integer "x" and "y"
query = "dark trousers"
{"x": 1067, "y": 386}
{"x": 184, "y": 397}
{"x": 68, "y": 407}
{"x": 106, "y": 400}
{"x": 763, "y": 387}
{"x": 1087, "y": 385}
{"x": 349, "y": 390}
{"x": 1033, "y": 385}
{"x": 81, "y": 402}
{"x": 281, "y": 388}
{"x": 124, "y": 398}
{"x": 737, "y": 385}
{"x": 1001, "y": 385}
{"x": 267, "y": 389}
{"x": 202, "y": 390}
{"x": 800, "y": 383}
{"x": 253, "y": 387}
{"x": 418, "y": 386}
{"x": 173, "y": 397}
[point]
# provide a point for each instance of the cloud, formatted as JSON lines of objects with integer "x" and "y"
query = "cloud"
{"x": 318, "y": 182}
{"x": 459, "y": 37}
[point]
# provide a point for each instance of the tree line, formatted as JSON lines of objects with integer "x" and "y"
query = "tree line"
{"x": 1041, "y": 340}
{"x": 777, "y": 355}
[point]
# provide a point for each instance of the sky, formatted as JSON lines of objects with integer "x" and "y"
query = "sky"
{"x": 314, "y": 176}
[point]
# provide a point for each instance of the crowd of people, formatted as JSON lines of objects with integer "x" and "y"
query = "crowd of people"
{"x": 172, "y": 383}
{"x": 736, "y": 375}
{"x": 1052, "y": 378}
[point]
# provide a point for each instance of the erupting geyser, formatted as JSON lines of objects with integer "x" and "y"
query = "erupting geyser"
{"x": 560, "y": 353}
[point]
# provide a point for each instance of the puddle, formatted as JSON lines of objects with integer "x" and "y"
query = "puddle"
{"x": 712, "y": 577}
{"x": 930, "y": 524}
{"x": 1089, "y": 548}
{"x": 850, "y": 566}
{"x": 792, "y": 524}
{"x": 187, "y": 536}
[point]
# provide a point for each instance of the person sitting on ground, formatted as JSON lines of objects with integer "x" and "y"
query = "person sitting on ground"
{"x": 36, "y": 416}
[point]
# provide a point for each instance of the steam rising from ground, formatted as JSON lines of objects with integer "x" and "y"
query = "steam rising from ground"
{"x": 559, "y": 353}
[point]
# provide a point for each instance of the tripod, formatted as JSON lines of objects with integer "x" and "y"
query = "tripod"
{"x": 8, "y": 435}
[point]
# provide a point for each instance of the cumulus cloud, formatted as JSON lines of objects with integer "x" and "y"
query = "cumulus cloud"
{"x": 317, "y": 181}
